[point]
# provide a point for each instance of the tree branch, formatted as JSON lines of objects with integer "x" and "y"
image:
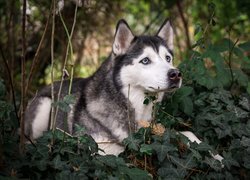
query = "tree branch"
{"x": 23, "y": 93}
{"x": 185, "y": 23}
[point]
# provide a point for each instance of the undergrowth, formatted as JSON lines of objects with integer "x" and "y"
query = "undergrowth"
{"x": 214, "y": 103}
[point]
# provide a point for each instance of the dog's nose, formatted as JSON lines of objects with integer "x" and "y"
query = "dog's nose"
{"x": 174, "y": 75}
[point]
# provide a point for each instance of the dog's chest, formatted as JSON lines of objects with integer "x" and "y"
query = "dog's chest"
{"x": 142, "y": 111}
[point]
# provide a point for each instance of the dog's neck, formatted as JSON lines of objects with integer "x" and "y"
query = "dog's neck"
{"x": 136, "y": 97}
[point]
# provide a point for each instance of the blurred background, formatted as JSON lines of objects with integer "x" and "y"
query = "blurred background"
{"x": 196, "y": 23}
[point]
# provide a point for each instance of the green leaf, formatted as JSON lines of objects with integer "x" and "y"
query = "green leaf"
{"x": 246, "y": 163}
{"x": 182, "y": 92}
{"x": 135, "y": 173}
{"x": 198, "y": 28}
{"x": 63, "y": 106}
{"x": 196, "y": 154}
{"x": 69, "y": 99}
{"x": 187, "y": 105}
{"x": 169, "y": 173}
{"x": 132, "y": 143}
{"x": 213, "y": 163}
{"x": 203, "y": 146}
{"x": 146, "y": 149}
{"x": 245, "y": 102}
{"x": 245, "y": 141}
{"x": 224, "y": 45}
{"x": 111, "y": 161}
{"x": 57, "y": 163}
{"x": 162, "y": 150}
{"x": 245, "y": 46}
{"x": 248, "y": 88}
{"x": 223, "y": 132}
{"x": 41, "y": 164}
{"x": 228, "y": 161}
{"x": 2, "y": 88}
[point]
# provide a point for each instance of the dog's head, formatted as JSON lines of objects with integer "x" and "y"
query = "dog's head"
{"x": 146, "y": 62}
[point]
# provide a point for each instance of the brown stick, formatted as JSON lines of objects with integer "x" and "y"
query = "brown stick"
{"x": 23, "y": 77}
{"x": 34, "y": 62}
{"x": 185, "y": 23}
{"x": 11, "y": 82}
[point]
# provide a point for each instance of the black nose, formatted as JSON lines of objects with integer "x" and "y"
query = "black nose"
{"x": 174, "y": 75}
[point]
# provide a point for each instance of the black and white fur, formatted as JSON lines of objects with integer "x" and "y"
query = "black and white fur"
{"x": 109, "y": 104}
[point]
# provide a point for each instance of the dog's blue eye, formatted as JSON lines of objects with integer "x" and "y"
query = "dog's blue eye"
{"x": 145, "y": 61}
{"x": 168, "y": 58}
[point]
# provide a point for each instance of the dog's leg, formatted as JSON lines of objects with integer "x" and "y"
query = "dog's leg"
{"x": 110, "y": 148}
{"x": 42, "y": 116}
{"x": 193, "y": 138}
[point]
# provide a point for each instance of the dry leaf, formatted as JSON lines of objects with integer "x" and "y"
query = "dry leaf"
{"x": 157, "y": 129}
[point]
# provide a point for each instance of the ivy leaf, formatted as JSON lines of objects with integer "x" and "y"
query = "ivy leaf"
{"x": 248, "y": 88}
{"x": 228, "y": 161}
{"x": 245, "y": 141}
{"x": 245, "y": 46}
{"x": 2, "y": 88}
{"x": 184, "y": 164}
{"x": 245, "y": 102}
{"x": 111, "y": 161}
{"x": 223, "y": 132}
{"x": 41, "y": 165}
{"x": 198, "y": 29}
{"x": 246, "y": 160}
{"x": 187, "y": 105}
{"x": 146, "y": 149}
{"x": 69, "y": 99}
{"x": 203, "y": 146}
{"x": 213, "y": 163}
{"x": 132, "y": 143}
{"x": 135, "y": 173}
{"x": 62, "y": 106}
{"x": 169, "y": 173}
{"x": 196, "y": 154}
{"x": 162, "y": 150}
{"x": 57, "y": 163}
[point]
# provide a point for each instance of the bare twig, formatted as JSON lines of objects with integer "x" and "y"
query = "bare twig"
{"x": 11, "y": 82}
{"x": 52, "y": 65}
{"x": 185, "y": 23}
{"x": 23, "y": 77}
{"x": 230, "y": 60}
{"x": 69, "y": 47}
{"x": 34, "y": 62}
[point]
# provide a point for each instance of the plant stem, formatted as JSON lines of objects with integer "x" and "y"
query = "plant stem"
{"x": 69, "y": 47}
{"x": 230, "y": 61}
{"x": 34, "y": 62}
{"x": 52, "y": 126}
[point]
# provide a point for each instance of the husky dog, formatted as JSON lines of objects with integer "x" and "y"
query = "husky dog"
{"x": 109, "y": 104}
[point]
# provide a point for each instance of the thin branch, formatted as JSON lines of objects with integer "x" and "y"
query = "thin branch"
{"x": 230, "y": 60}
{"x": 23, "y": 93}
{"x": 11, "y": 82}
{"x": 69, "y": 47}
{"x": 185, "y": 23}
{"x": 34, "y": 62}
{"x": 52, "y": 65}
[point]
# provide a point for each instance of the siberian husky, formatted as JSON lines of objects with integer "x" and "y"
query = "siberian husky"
{"x": 109, "y": 104}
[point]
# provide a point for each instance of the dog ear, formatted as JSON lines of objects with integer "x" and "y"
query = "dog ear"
{"x": 123, "y": 38}
{"x": 166, "y": 32}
